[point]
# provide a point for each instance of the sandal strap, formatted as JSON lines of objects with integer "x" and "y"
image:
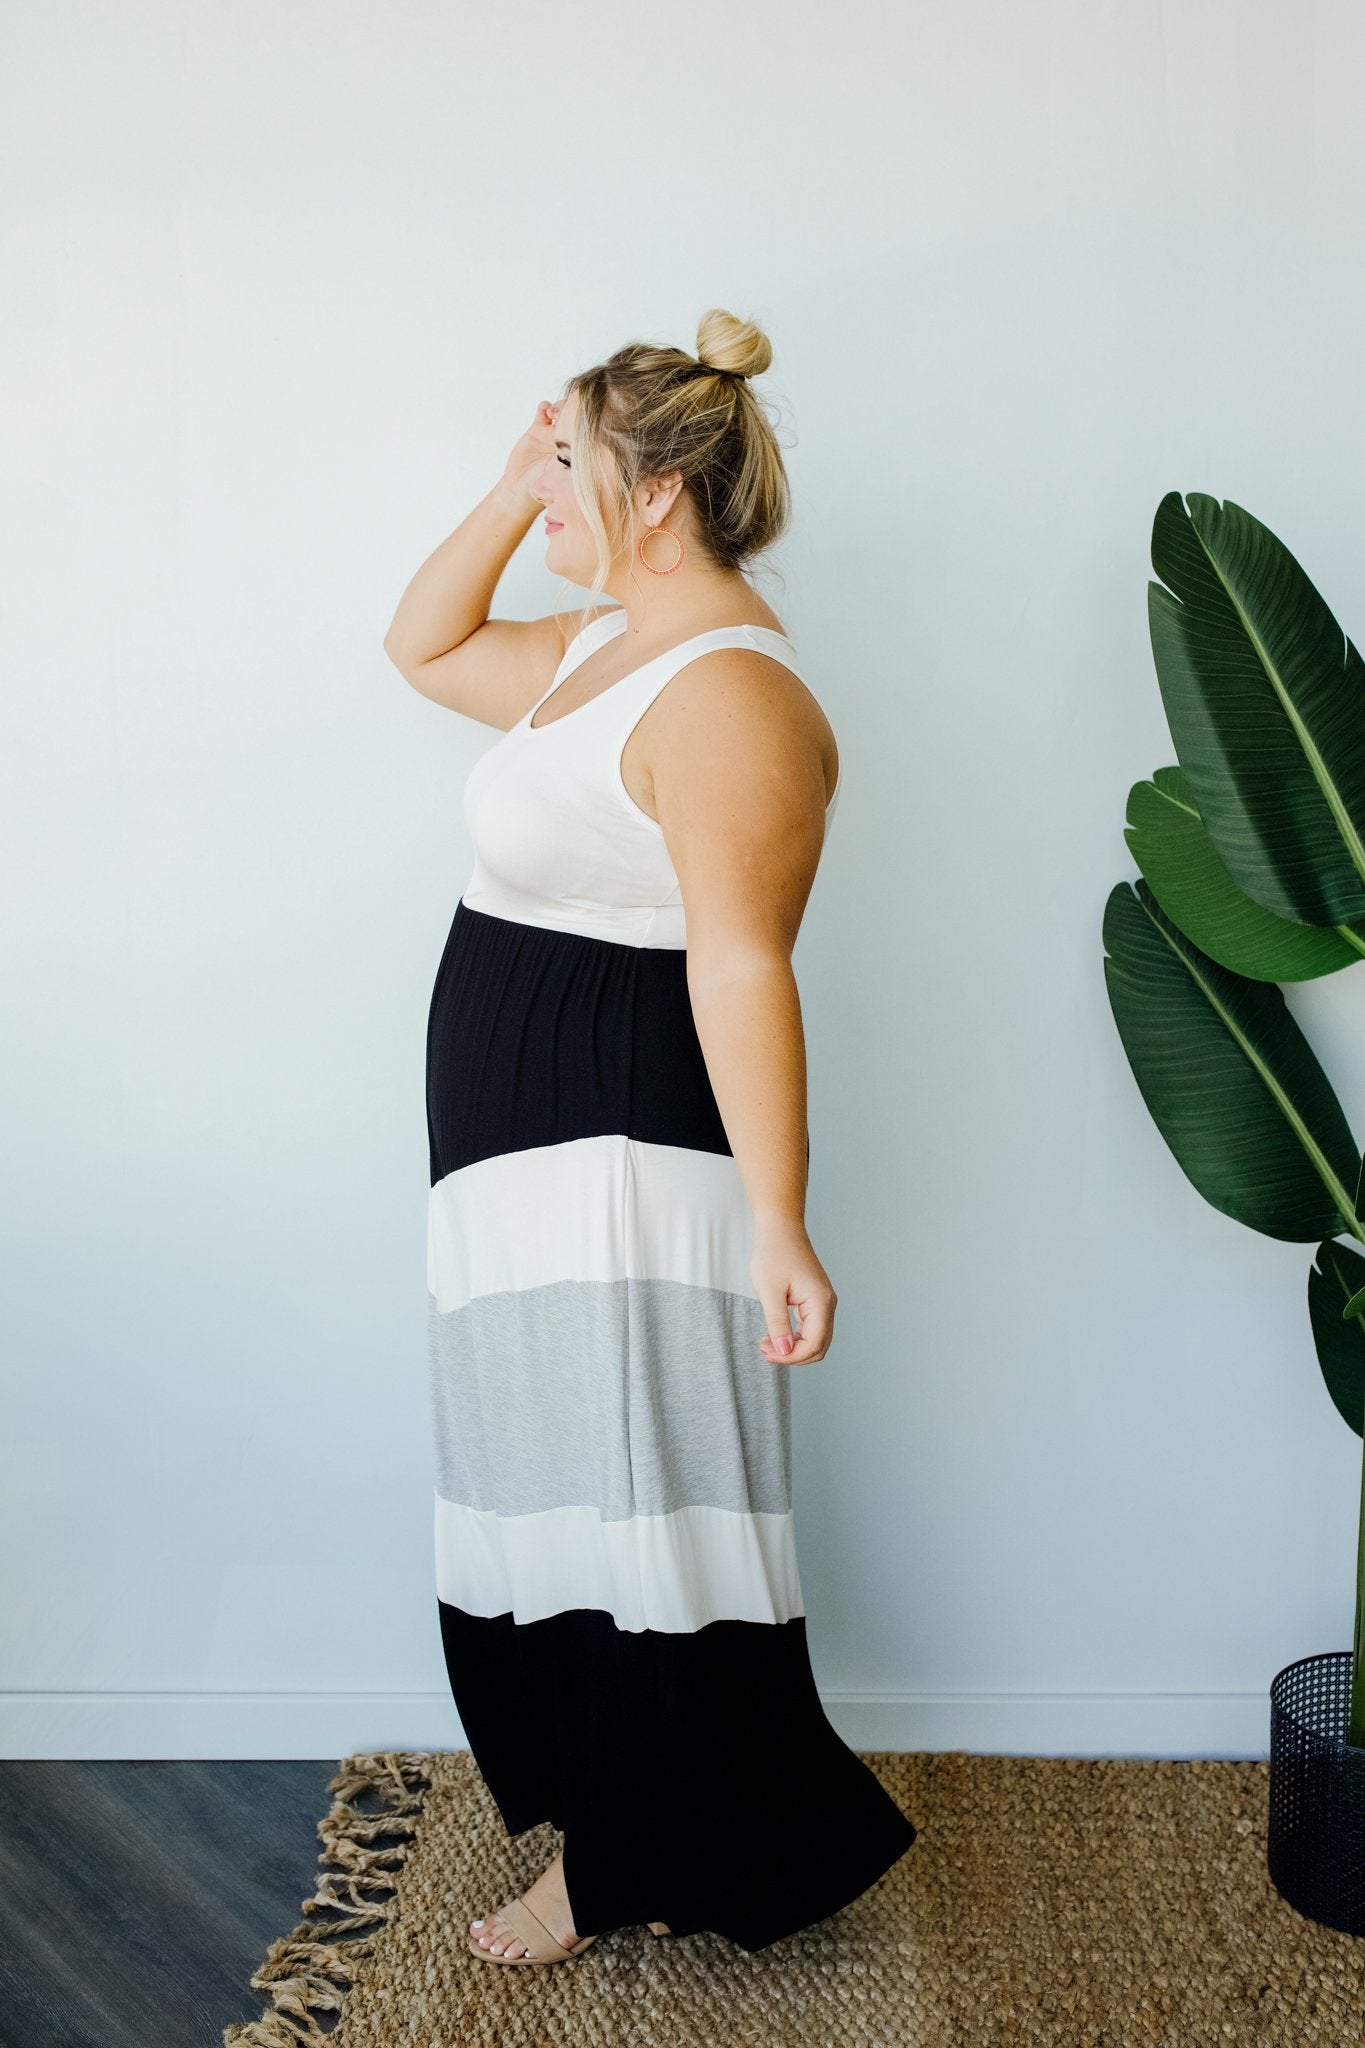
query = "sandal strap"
{"x": 539, "y": 1941}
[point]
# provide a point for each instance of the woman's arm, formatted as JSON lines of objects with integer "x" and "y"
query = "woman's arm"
{"x": 739, "y": 789}
{"x": 441, "y": 639}
{"x": 450, "y": 595}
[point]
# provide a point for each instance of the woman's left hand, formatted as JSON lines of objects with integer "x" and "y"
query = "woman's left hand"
{"x": 786, "y": 1271}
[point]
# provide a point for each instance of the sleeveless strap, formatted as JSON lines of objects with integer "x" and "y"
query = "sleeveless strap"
{"x": 629, "y": 698}
{"x": 606, "y": 626}
{"x": 584, "y": 641}
{"x": 623, "y": 704}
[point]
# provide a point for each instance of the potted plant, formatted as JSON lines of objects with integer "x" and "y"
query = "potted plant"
{"x": 1252, "y": 859}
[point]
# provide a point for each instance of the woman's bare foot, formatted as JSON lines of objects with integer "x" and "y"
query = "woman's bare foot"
{"x": 548, "y": 1900}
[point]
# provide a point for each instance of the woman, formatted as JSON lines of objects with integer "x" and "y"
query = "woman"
{"x": 619, "y": 1152}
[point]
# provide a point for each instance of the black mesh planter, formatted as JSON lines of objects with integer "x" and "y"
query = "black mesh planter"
{"x": 1316, "y": 1841}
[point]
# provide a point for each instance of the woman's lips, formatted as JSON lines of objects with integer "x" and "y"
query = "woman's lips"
{"x": 553, "y": 525}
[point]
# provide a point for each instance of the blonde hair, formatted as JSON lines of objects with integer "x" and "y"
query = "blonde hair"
{"x": 650, "y": 411}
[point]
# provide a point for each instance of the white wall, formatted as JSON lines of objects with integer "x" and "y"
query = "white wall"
{"x": 283, "y": 286}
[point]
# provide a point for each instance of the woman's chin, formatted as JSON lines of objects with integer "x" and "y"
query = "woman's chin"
{"x": 560, "y": 556}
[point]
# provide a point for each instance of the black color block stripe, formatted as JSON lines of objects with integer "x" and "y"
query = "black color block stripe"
{"x": 536, "y": 1036}
{"x": 696, "y": 1777}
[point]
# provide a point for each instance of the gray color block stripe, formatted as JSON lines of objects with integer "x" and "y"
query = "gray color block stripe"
{"x": 635, "y": 1396}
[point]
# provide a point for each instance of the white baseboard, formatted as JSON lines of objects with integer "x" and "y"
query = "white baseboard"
{"x": 143, "y": 1725}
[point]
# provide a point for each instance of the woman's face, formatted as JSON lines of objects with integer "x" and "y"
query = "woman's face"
{"x": 569, "y": 548}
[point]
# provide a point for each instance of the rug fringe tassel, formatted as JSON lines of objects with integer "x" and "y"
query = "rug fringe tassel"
{"x": 311, "y": 1970}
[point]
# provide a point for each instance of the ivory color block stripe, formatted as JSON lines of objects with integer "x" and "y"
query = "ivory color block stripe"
{"x": 602, "y": 1208}
{"x": 669, "y": 1572}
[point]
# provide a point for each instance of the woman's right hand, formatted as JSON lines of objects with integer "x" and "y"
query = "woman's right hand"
{"x": 528, "y": 458}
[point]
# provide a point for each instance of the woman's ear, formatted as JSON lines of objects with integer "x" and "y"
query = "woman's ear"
{"x": 661, "y": 493}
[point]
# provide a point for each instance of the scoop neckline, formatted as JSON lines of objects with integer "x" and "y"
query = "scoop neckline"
{"x": 748, "y": 626}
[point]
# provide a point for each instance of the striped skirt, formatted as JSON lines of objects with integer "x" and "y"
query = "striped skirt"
{"x": 616, "y": 1573}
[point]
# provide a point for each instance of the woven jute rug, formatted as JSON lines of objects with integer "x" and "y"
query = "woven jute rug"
{"x": 1047, "y": 1900}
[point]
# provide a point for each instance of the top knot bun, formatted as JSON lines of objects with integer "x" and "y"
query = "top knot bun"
{"x": 727, "y": 343}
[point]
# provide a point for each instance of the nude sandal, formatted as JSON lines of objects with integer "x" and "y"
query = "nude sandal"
{"x": 541, "y": 1945}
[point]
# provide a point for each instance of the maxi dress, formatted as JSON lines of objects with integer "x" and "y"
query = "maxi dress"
{"x": 621, "y": 1612}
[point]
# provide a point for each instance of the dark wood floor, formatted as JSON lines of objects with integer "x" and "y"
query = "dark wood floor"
{"x": 136, "y": 1899}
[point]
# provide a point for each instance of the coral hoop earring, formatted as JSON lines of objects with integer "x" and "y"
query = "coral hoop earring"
{"x": 640, "y": 549}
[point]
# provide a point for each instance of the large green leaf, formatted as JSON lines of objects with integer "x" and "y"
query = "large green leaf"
{"x": 1232, "y": 1083}
{"x": 1167, "y": 839}
{"x": 1265, "y": 698}
{"x": 1338, "y": 1274}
